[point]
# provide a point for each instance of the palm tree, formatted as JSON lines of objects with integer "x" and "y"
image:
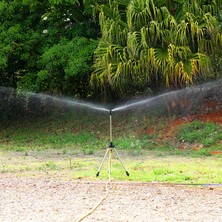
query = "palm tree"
{"x": 155, "y": 42}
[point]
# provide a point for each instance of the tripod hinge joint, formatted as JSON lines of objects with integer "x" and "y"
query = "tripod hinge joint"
{"x": 111, "y": 145}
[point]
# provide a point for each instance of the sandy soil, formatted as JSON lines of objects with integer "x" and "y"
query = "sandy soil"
{"x": 47, "y": 200}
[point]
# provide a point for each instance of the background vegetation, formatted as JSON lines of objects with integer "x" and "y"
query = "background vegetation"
{"x": 71, "y": 145}
{"x": 104, "y": 49}
{"x": 109, "y": 50}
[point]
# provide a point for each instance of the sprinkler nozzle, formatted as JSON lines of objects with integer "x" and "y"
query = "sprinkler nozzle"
{"x": 110, "y": 112}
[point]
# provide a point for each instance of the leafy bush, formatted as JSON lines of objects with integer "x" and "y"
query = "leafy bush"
{"x": 199, "y": 132}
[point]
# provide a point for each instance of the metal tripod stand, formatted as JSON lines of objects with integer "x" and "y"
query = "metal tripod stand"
{"x": 109, "y": 151}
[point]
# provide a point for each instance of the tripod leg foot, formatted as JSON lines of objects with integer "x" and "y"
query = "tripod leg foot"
{"x": 127, "y": 173}
{"x": 97, "y": 174}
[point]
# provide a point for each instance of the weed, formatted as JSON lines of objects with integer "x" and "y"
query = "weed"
{"x": 88, "y": 150}
{"x": 26, "y": 153}
{"x": 70, "y": 162}
{"x": 150, "y": 168}
{"x": 64, "y": 151}
{"x": 48, "y": 166}
{"x": 21, "y": 149}
{"x": 199, "y": 132}
{"x": 162, "y": 171}
{"x": 203, "y": 152}
{"x": 135, "y": 148}
{"x": 132, "y": 144}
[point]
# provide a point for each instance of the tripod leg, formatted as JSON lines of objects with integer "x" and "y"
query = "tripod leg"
{"x": 109, "y": 164}
{"x": 127, "y": 173}
{"x": 107, "y": 150}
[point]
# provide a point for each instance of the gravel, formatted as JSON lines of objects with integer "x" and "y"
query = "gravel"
{"x": 48, "y": 200}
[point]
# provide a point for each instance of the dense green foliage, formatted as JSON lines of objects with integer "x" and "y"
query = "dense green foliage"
{"x": 48, "y": 46}
{"x": 153, "y": 43}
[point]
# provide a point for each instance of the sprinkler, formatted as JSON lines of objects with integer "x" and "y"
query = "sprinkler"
{"x": 110, "y": 150}
{"x": 110, "y": 130}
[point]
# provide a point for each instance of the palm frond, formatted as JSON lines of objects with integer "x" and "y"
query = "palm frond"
{"x": 149, "y": 40}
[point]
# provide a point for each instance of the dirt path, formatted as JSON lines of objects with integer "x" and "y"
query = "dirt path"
{"x": 41, "y": 200}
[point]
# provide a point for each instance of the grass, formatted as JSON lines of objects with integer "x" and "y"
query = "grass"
{"x": 198, "y": 132}
{"x": 148, "y": 168}
{"x": 70, "y": 147}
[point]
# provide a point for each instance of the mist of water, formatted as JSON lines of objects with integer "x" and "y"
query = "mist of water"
{"x": 140, "y": 103}
{"x": 25, "y": 107}
{"x": 72, "y": 102}
{"x": 197, "y": 93}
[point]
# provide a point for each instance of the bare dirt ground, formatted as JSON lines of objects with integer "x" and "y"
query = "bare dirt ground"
{"x": 24, "y": 199}
{"x": 47, "y": 200}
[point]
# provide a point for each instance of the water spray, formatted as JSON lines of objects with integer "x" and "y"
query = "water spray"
{"x": 110, "y": 150}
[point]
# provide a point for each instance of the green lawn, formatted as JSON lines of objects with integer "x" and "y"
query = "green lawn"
{"x": 68, "y": 149}
{"x": 145, "y": 168}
